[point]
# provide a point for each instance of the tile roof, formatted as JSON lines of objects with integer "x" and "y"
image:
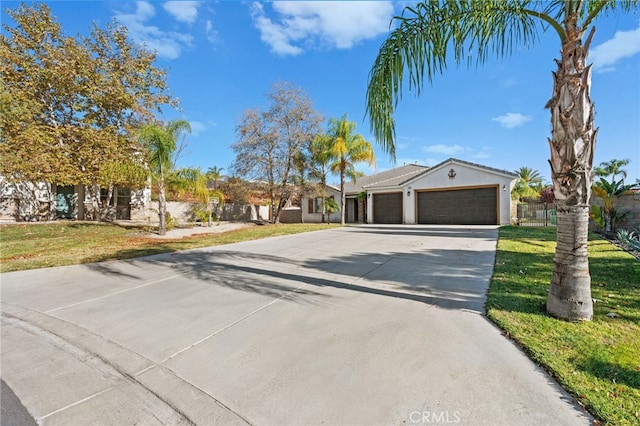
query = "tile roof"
{"x": 391, "y": 177}
{"x": 404, "y": 174}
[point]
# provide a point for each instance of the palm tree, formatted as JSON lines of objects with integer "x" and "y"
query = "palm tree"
{"x": 214, "y": 173}
{"x": 330, "y": 206}
{"x": 607, "y": 216}
{"x": 347, "y": 149}
{"x": 194, "y": 181}
{"x": 528, "y": 185}
{"x": 161, "y": 143}
{"x": 321, "y": 159}
{"x": 473, "y": 30}
{"x": 612, "y": 168}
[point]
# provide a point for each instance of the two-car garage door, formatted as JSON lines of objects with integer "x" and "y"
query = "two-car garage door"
{"x": 470, "y": 206}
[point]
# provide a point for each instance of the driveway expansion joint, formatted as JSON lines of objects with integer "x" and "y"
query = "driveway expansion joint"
{"x": 121, "y": 377}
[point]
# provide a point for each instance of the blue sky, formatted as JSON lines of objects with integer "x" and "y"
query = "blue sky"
{"x": 222, "y": 58}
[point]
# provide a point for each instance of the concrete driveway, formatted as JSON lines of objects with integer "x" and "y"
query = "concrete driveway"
{"x": 357, "y": 325}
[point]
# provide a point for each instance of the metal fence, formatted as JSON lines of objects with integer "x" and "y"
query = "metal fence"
{"x": 536, "y": 214}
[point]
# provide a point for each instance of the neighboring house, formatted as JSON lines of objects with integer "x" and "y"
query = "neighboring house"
{"x": 454, "y": 192}
{"x": 312, "y": 207}
{"x": 29, "y": 202}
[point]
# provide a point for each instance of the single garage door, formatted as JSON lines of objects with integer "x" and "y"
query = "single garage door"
{"x": 387, "y": 208}
{"x": 473, "y": 206}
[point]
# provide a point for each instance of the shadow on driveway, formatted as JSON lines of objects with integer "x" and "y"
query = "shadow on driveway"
{"x": 448, "y": 278}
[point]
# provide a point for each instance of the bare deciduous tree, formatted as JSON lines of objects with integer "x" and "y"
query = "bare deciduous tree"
{"x": 269, "y": 142}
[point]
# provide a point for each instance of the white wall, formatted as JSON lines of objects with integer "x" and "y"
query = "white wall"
{"x": 317, "y": 217}
{"x": 466, "y": 177}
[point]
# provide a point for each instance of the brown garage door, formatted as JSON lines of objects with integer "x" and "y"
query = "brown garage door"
{"x": 473, "y": 206}
{"x": 387, "y": 208}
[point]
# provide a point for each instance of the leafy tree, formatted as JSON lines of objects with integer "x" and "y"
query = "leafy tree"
{"x": 125, "y": 174}
{"x": 612, "y": 168}
{"x": 70, "y": 106}
{"x": 269, "y": 142}
{"x": 236, "y": 190}
{"x": 347, "y": 149}
{"x": 161, "y": 142}
{"x": 547, "y": 195}
{"x": 472, "y": 31}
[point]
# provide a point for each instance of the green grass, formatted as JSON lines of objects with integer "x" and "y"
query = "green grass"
{"x": 597, "y": 361}
{"x": 34, "y": 246}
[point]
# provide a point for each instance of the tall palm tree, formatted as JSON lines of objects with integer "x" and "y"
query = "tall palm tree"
{"x": 161, "y": 142}
{"x": 321, "y": 159}
{"x": 472, "y": 31}
{"x": 347, "y": 148}
{"x": 612, "y": 168}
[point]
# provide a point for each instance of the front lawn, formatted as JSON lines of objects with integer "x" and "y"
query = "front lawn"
{"x": 31, "y": 246}
{"x": 597, "y": 361}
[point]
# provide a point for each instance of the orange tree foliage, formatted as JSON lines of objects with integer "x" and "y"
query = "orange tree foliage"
{"x": 70, "y": 105}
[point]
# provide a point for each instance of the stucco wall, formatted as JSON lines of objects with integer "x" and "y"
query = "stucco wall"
{"x": 465, "y": 177}
{"x": 629, "y": 203}
{"x": 317, "y": 217}
{"x": 184, "y": 212}
{"x": 26, "y": 201}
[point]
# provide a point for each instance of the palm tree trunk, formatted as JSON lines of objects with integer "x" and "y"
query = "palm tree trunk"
{"x": 570, "y": 292}
{"x": 342, "y": 197}
{"x": 162, "y": 209}
{"x": 572, "y": 146}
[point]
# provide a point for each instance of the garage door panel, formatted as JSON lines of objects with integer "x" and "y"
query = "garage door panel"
{"x": 473, "y": 206}
{"x": 387, "y": 208}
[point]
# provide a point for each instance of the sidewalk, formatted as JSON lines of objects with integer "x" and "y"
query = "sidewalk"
{"x": 215, "y": 228}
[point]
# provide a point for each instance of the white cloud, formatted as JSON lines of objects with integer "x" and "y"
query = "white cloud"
{"x": 272, "y": 34}
{"x": 337, "y": 24}
{"x": 184, "y": 11}
{"x": 624, "y": 44}
{"x": 444, "y": 149}
{"x": 212, "y": 35}
{"x": 197, "y": 127}
{"x": 167, "y": 44}
{"x": 512, "y": 119}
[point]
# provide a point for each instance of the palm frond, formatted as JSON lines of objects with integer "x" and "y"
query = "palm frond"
{"x": 434, "y": 32}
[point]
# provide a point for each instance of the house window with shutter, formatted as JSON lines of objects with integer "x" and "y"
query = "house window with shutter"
{"x": 315, "y": 205}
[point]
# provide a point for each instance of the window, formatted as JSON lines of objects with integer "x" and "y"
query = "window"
{"x": 315, "y": 204}
{"x": 120, "y": 197}
{"x": 124, "y": 196}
